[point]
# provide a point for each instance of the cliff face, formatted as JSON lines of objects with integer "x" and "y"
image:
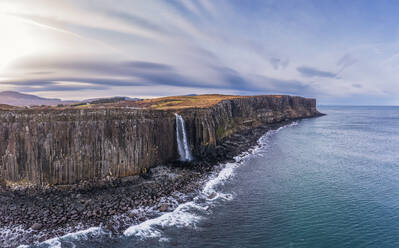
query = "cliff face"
{"x": 71, "y": 145}
{"x": 208, "y": 126}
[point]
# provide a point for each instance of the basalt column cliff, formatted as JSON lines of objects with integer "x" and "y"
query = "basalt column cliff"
{"x": 70, "y": 145}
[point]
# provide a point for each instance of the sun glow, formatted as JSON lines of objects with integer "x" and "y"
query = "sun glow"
{"x": 17, "y": 39}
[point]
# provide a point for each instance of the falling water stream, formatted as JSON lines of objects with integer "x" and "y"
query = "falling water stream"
{"x": 181, "y": 137}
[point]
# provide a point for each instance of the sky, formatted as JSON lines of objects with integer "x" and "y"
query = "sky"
{"x": 340, "y": 52}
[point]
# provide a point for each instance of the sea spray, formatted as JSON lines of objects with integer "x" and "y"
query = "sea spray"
{"x": 70, "y": 237}
{"x": 182, "y": 216}
{"x": 181, "y": 137}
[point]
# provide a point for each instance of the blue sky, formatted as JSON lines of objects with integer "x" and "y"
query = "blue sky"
{"x": 340, "y": 52}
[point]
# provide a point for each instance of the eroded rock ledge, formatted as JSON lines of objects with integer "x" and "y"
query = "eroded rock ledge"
{"x": 69, "y": 146}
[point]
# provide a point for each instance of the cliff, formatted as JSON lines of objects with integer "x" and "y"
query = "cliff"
{"x": 67, "y": 146}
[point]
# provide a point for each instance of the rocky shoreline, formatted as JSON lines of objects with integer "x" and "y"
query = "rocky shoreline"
{"x": 43, "y": 213}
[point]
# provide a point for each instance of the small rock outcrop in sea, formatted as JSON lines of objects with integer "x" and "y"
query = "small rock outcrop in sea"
{"x": 70, "y": 146}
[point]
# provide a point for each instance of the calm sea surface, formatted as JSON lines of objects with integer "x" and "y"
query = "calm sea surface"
{"x": 331, "y": 181}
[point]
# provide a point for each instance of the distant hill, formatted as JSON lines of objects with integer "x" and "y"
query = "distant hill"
{"x": 7, "y": 107}
{"x": 19, "y": 99}
{"x": 110, "y": 99}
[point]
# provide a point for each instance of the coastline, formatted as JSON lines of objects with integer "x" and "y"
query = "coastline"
{"x": 118, "y": 204}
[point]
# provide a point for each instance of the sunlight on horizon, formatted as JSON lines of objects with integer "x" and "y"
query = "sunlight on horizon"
{"x": 17, "y": 40}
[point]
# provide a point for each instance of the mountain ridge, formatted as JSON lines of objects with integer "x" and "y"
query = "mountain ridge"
{"x": 15, "y": 98}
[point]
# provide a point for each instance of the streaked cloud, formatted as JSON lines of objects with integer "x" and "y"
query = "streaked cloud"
{"x": 153, "y": 48}
{"x": 278, "y": 63}
{"x": 313, "y": 72}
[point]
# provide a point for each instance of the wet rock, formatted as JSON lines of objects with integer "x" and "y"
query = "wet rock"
{"x": 132, "y": 215}
{"x": 111, "y": 228}
{"x": 36, "y": 226}
{"x": 164, "y": 207}
{"x": 212, "y": 195}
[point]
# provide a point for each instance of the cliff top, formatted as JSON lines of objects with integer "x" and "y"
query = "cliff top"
{"x": 162, "y": 103}
{"x": 180, "y": 102}
{"x": 176, "y": 102}
{"x": 7, "y": 107}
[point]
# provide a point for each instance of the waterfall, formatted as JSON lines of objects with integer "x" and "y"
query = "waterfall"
{"x": 181, "y": 137}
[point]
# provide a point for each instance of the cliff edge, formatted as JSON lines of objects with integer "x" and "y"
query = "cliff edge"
{"x": 61, "y": 146}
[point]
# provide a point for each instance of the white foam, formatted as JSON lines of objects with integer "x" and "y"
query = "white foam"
{"x": 56, "y": 242}
{"x": 163, "y": 240}
{"x": 228, "y": 171}
{"x": 180, "y": 217}
{"x": 222, "y": 176}
{"x": 10, "y": 235}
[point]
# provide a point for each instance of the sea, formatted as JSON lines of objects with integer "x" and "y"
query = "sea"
{"x": 331, "y": 181}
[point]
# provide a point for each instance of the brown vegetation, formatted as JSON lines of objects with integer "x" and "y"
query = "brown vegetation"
{"x": 162, "y": 103}
{"x": 7, "y": 107}
{"x": 180, "y": 102}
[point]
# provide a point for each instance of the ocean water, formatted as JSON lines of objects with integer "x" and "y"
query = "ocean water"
{"x": 331, "y": 181}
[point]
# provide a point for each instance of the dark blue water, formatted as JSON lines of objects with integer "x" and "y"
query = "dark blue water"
{"x": 331, "y": 181}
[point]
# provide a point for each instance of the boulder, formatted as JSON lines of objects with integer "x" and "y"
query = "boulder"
{"x": 212, "y": 195}
{"x": 132, "y": 215}
{"x": 164, "y": 207}
{"x": 36, "y": 226}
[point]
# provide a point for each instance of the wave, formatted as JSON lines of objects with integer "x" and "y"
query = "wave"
{"x": 180, "y": 217}
{"x": 187, "y": 214}
{"x": 84, "y": 234}
{"x": 10, "y": 235}
{"x": 57, "y": 242}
